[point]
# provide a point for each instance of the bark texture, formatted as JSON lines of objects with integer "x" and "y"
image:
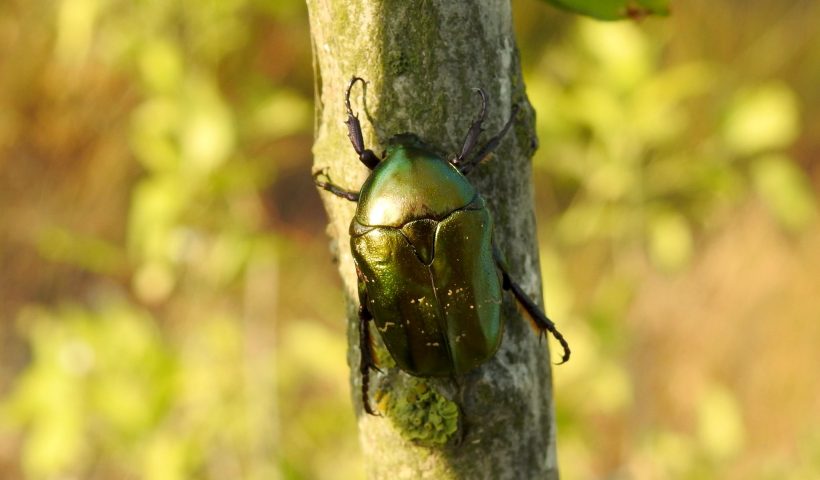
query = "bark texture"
{"x": 422, "y": 59}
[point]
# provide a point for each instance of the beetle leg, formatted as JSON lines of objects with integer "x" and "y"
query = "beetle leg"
{"x": 461, "y": 427}
{"x": 475, "y": 130}
{"x": 366, "y": 361}
{"x": 334, "y": 189}
{"x": 488, "y": 147}
{"x": 366, "y": 352}
{"x": 354, "y": 131}
{"x": 542, "y": 322}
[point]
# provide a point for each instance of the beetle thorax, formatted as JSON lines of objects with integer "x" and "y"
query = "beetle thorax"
{"x": 412, "y": 183}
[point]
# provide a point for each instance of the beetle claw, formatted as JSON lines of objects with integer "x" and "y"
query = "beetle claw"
{"x": 353, "y": 81}
{"x": 321, "y": 178}
{"x": 322, "y": 172}
{"x": 567, "y": 352}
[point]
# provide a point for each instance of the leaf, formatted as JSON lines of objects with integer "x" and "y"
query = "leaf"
{"x": 614, "y": 9}
{"x": 761, "y": 119}
{"x": 670, "y": 240}
{"x": 721, "y": 432}
{"x": 785, "y": 190}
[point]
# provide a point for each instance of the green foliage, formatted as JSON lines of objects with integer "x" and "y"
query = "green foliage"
{"x": 614, "y": 9}
{"x": 107, "y": 384}
{"x": 761, "y": 118}
{"x": 638, "y": 160}
{"x": 630, "y": 166}
{"x": 181, "y": 380}
{"x": 104, "y": 375}
{"x": 785, "y": 191}
{"x": 172, "y": 322}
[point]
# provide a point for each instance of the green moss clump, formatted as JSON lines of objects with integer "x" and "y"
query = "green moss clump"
{"x": 421, "y": 414}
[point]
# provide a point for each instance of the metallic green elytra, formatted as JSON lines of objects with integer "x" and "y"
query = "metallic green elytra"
{"x": 422, "y": 240}
{"x": 430, "y": 277}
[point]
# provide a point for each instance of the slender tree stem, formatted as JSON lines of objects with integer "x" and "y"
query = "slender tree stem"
{"x": 422, "y": 59}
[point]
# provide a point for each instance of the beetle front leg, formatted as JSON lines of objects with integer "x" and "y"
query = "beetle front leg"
{"x": 542, "y": 322}
{"x": 475, "y": 130}
{"x": 334, "y": 189}
{"x": 468, "y": 165}
{"x": 354, "y": 131}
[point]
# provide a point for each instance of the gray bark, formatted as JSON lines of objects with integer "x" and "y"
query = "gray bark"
{"x": 422, "y": 59}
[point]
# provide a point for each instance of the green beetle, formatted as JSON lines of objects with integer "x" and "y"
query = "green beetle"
{"x": 429, "y": 275}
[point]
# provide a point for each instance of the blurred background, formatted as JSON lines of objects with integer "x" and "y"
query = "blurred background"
{"x": 168, "y": 304}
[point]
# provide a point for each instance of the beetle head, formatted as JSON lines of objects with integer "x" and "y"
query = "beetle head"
{"x": 410, "y": 141}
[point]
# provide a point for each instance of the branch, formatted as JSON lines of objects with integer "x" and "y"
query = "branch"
{"x": 422, "y": 60}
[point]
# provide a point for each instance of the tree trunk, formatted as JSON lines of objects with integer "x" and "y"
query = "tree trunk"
{"x": 422, "y": 59}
